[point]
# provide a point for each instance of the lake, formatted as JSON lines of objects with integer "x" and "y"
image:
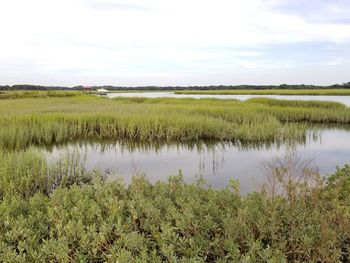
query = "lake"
{"x": 342, "y": 99}
{"x": 217, "y": 163}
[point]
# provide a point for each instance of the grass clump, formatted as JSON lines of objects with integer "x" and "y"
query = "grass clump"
{"x": 26, "y": 173}
{"x": 171, "y": 221}
{"x": 298, "y": 103}
{"x": 23, "y": 131}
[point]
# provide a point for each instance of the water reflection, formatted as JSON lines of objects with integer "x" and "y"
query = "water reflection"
{"x": 215, "y": 162}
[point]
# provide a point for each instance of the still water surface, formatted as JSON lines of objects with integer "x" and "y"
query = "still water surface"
{"x": 217, "y": 163}
{"x": 342, "y": 99}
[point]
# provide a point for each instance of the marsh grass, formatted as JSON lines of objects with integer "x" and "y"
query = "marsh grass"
{"x": 314, "y": 92}
{"x": 51, "y": 120}
{"x": 26, "y": 173}
{"x": 23, "y": 131}
{"x": 36, "y": 94}
{"x": 299, "y": 103}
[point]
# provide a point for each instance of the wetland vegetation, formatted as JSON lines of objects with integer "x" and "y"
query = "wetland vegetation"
{"x": 61, "y": 212}
{"x": 299, "y": 92}
{"x": 70, "y": 116}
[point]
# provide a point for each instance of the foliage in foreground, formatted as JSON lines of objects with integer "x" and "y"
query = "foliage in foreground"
{"x": 80, "y": 220}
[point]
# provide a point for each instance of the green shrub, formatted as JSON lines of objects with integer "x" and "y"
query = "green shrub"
{"x": 168, "y": 221}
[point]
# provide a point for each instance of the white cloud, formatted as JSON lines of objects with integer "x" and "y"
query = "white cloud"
{"x": 149, "y": 40}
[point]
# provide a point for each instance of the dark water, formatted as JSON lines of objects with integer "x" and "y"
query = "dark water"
{"x": 217, "y": 163}
{"x": 342, "y": 99}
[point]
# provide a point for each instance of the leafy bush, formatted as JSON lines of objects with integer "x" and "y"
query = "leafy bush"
{"x": 98, "y": 221}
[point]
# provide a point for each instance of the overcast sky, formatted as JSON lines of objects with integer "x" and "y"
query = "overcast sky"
{"x": 182, "y": 42}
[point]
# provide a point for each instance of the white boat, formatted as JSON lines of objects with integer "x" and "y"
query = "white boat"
{"x": 102, "y": 91}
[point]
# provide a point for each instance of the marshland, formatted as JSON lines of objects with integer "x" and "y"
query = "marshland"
{"x": 273, "y": 91}
{"x": 241, "y": 95}
{"x": 134, "y": 179}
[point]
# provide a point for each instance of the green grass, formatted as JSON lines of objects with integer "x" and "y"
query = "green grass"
{"x": 299, "y": 103}
{"x": 314, "y": 92}
{"x": 59, "y": 212}
{"x": 26, "y": 121}
{"x": 25, "y": 173}
{"x": 36, "y": 94}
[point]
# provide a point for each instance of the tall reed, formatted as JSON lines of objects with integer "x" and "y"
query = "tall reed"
{"x": 56, "y": 120}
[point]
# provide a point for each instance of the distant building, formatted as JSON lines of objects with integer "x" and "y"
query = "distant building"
{"x": 87, "y": 89}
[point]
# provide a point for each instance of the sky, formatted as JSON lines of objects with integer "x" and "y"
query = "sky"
{"x": 174, "y": 43}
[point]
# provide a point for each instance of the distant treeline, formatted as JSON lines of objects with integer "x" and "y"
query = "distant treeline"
{"x": 212, "y": 87}
{"x": 228, "y": 87}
